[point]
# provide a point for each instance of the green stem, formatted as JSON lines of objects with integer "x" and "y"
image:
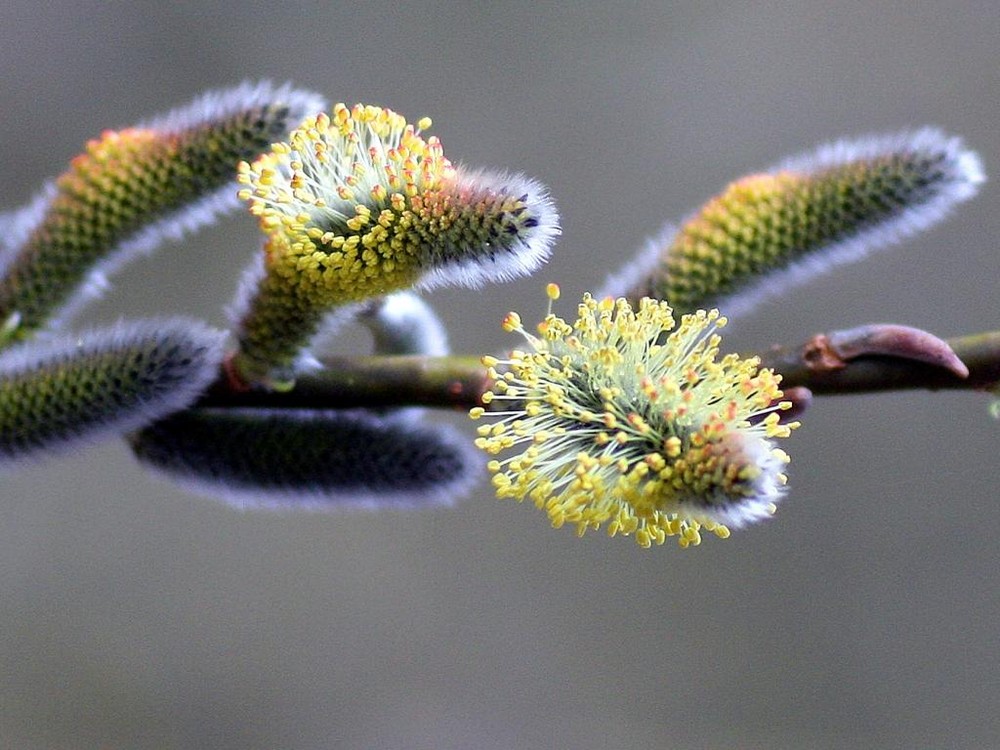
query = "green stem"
{"x": 368, "y": 382}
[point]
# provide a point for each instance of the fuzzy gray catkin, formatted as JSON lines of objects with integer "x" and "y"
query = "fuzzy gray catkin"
{"x": 57, "y": 395}
{"x": 255, "y": 458}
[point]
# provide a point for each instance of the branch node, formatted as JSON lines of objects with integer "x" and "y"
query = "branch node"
{"x": 819, "y": 355}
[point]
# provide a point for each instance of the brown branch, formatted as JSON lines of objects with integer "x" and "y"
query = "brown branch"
{"x": 837, "y": 363}
{"x": 813, "y": 366}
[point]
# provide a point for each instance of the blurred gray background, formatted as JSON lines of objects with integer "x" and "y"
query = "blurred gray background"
{"x": 864, "y": 615}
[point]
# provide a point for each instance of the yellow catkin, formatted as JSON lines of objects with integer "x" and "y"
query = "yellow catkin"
{"x": 630, "y": 420}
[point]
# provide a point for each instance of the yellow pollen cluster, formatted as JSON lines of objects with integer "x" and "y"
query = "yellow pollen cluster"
{"x": 621, "y": 418}
{"x": 350, "y": 202}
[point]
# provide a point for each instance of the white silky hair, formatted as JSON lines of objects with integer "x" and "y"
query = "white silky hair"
{"x": 403, "y": 323}
{"x": 767, "y": 487}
